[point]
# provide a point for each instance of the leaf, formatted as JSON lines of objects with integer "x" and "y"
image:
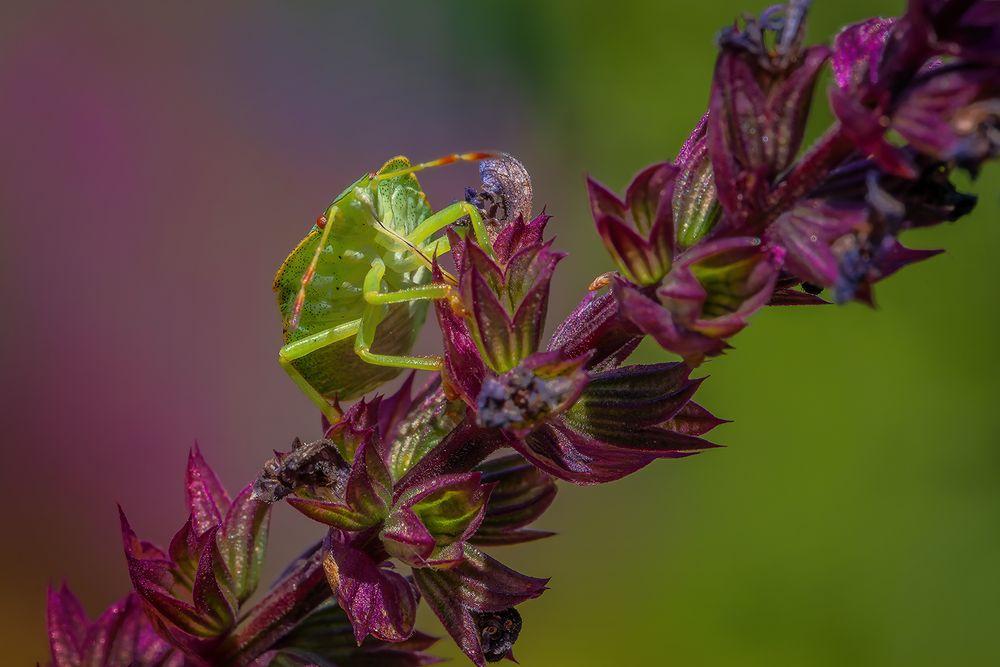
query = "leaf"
{"x": 648, "y": 196}
{"x": 520, "y": 495}
{"x": 464, "y": 369}
{"x": 595, "y": 327}
{"x": 377, "y": 601}
{"x": 242, "y": 542}
{"x": 212, "y": 591}
{"x": 369, "y": 486}
{"x": 67, "y": 625}
{"x": 337, "y": 515}
{"x": 603, "y": 201}
{"x": 856, "y": 48}
{"x": 735, "y": 138}
{"x": 693, "y": 419}
{"x": 695, "y": 202}
{"x": 529, "y": 321}
{"x": 438, "y": 590}
{"x": 207, "y": 500}
{"x": 450, "y": 506}
{"x": 325, "y": 638}
{"x": 631, "y": 253}
{"x": 493, "y": 329}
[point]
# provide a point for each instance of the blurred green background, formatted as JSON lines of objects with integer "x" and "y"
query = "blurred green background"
{"x": 161, "y": 159}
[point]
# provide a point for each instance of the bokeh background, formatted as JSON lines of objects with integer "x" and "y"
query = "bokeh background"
{"x": 158, "y": 160}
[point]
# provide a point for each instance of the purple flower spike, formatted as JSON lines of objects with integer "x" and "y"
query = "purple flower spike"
{"x": 469, "y": 597}
{"x": 121, "y": 636}
{"x": 410, "y": 487}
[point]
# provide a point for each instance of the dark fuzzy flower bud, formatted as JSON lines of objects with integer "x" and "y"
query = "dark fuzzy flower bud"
{"x": 541, "y": 387}
{"x": 498, "y": 630}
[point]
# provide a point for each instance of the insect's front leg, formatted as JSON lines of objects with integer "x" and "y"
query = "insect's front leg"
{"x": 370, "y": 320}
{"x": 447, "y": 216}
{"x": 374, "y": 295}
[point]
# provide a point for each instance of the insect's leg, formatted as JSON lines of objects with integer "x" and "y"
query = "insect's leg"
{"x": 440, "y": 247}
{"x": 300, "y": 348}
{"x": 374, "y": 295}
{"x": 372, "y": 317}
{"x": 375, "y": 312}
{"x": 300, "y": 298}
{"x": 440, "y": 162}
{"x": 448, "y": 215}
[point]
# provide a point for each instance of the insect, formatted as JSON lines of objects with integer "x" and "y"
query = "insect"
{"x": 355, "y": 291}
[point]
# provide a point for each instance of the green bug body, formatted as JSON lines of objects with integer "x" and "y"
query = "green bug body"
{"x": 355, "y": 292}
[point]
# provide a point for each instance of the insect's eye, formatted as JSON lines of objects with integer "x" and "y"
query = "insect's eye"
{"x": 321, "y": 221}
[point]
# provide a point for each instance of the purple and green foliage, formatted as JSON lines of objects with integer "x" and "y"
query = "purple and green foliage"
{"x": 411, "y": 489}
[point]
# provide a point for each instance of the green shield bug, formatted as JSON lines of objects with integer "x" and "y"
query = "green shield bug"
{"x": 355, "y": 291}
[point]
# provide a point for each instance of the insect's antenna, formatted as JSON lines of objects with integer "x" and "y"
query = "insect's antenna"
{"x": 440, "y": 162}
{"x": 324, "y": 222}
